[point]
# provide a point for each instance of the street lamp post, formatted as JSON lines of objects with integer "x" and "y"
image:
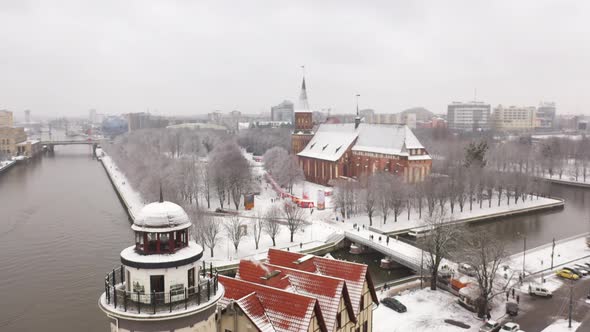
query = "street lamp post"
{"x": 523, "y": 254}
{"x": 523, "y": 257}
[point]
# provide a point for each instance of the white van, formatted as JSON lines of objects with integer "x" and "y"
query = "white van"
{"x": 539, "y": 290}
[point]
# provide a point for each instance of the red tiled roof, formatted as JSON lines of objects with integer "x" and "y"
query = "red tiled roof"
{"x": 252, "y": 307}
{"x": 354, "y": 274}
{"x": 286, "y": 311}
{"x": 327, "y": 290}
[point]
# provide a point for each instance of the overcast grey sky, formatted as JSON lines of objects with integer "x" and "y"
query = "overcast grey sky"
{"x": 189, "y": 57}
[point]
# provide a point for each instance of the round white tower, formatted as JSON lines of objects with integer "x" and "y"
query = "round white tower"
{"x": 160, "y": 285}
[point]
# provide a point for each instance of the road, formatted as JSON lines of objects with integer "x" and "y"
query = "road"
{"x": 537, "y": 313}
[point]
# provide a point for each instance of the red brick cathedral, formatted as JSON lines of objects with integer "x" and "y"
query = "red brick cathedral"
{"x": 349, "y": 150}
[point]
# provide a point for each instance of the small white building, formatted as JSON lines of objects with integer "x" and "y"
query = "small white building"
{"x": 160, "y": 284}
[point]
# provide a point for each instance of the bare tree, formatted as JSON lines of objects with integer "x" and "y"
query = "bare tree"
{"x": 210, "y": 232}
{"x": 368, "y": 196}
{"x": 398, "y": 194}
{"x": 294, "y": 217}
{"x": 383, "y": 190}
{"x": 257, "y": 229}
{"x": 485, "y": 254}
{"x": 272, "y": 225}
{"x": 440, "y": 240}
{"x": 234, "y": 228}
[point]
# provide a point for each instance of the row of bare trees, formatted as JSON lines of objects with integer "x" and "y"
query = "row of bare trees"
{"x": 193, "y": 167}
{"x": 459, "y": 184}
{"x": 556, "y": 157}
{"x": 473, "y": 246}
{"x": 210, "y": 229}
{"x": 283, "y": 167}
{"x": 387, "y": 196}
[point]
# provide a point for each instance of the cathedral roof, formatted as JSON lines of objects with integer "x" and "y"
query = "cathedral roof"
{"x": 332, "y": 140}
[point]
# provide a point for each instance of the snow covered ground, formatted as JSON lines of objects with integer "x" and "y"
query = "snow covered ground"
{"x": 414, "y": 221}
{"x": 561, "y": 325}
{"x": 427, "y": 311}
{"x": 538, "y": 262}
{"x": 538, "y": 259}
{"x": 133, "y": 199}
{"x": 5, "y": 164}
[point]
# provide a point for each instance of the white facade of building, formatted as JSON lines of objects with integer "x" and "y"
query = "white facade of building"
{"x": 469, "y": 116}
{"x": 514, "y": 118}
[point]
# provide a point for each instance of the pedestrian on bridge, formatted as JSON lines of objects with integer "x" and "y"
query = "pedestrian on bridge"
{"x": 387, "y": 240}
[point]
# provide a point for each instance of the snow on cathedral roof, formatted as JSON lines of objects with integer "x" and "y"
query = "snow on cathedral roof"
{"x": 332, "y": 140}
{"x": 161, "y": 214}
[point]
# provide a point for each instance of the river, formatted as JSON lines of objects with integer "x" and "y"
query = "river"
{"x": 62, "y": 228}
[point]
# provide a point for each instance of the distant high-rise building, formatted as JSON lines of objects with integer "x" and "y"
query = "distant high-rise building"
{"x": 6, "y": 119}
{"x": 92, "y": 116}
{"x": 469, "y": 116}
{"x": 282, "y": 112}
{"x": 142, "y": 120}
{"x": 545, "y": 116}
{"x": 27, "y": 116}
{"x": 514, "y": 118}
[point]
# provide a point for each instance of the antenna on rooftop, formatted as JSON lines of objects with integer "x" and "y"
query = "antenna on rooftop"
{"x": 357, "y": 119}
{"x": 161, "y": 194}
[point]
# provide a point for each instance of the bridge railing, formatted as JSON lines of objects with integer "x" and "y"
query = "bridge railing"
{"x": 408, "y": 261}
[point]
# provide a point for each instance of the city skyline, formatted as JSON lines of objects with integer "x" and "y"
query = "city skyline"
{"x": 180, "y": 58}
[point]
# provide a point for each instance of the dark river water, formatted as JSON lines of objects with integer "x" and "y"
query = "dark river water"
{"x": 62, "y": 228}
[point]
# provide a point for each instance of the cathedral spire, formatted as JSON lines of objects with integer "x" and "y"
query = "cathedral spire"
{"x": 303, "y": 102}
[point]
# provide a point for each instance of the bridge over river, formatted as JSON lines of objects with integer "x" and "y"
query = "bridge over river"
{"x": 399, "y": 251}
{"x": 50, "y": 144}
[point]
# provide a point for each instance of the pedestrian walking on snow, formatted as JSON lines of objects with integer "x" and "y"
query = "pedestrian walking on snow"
{"x": 517, "y": 299}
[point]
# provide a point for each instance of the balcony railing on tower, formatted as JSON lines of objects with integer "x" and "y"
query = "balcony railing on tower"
{"x": 118, "y": 297}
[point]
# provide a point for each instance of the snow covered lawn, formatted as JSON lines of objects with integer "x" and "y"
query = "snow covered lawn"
{"x": 561, "y": 325}
{"x": 427, "y": 311}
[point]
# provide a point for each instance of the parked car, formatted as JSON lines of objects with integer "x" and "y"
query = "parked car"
{"x": 581, "y": 268}
{"x": 511, "y": 327}
{"x": 394, "y": 304}
{"x": 539, "y": 290}
{"x": 567, "y": 274}
{"x": 490, "y": 326}
{"x": 512, "y": 308}
{"x": 575, "y": 271}
{"x": 467, "y": 269}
